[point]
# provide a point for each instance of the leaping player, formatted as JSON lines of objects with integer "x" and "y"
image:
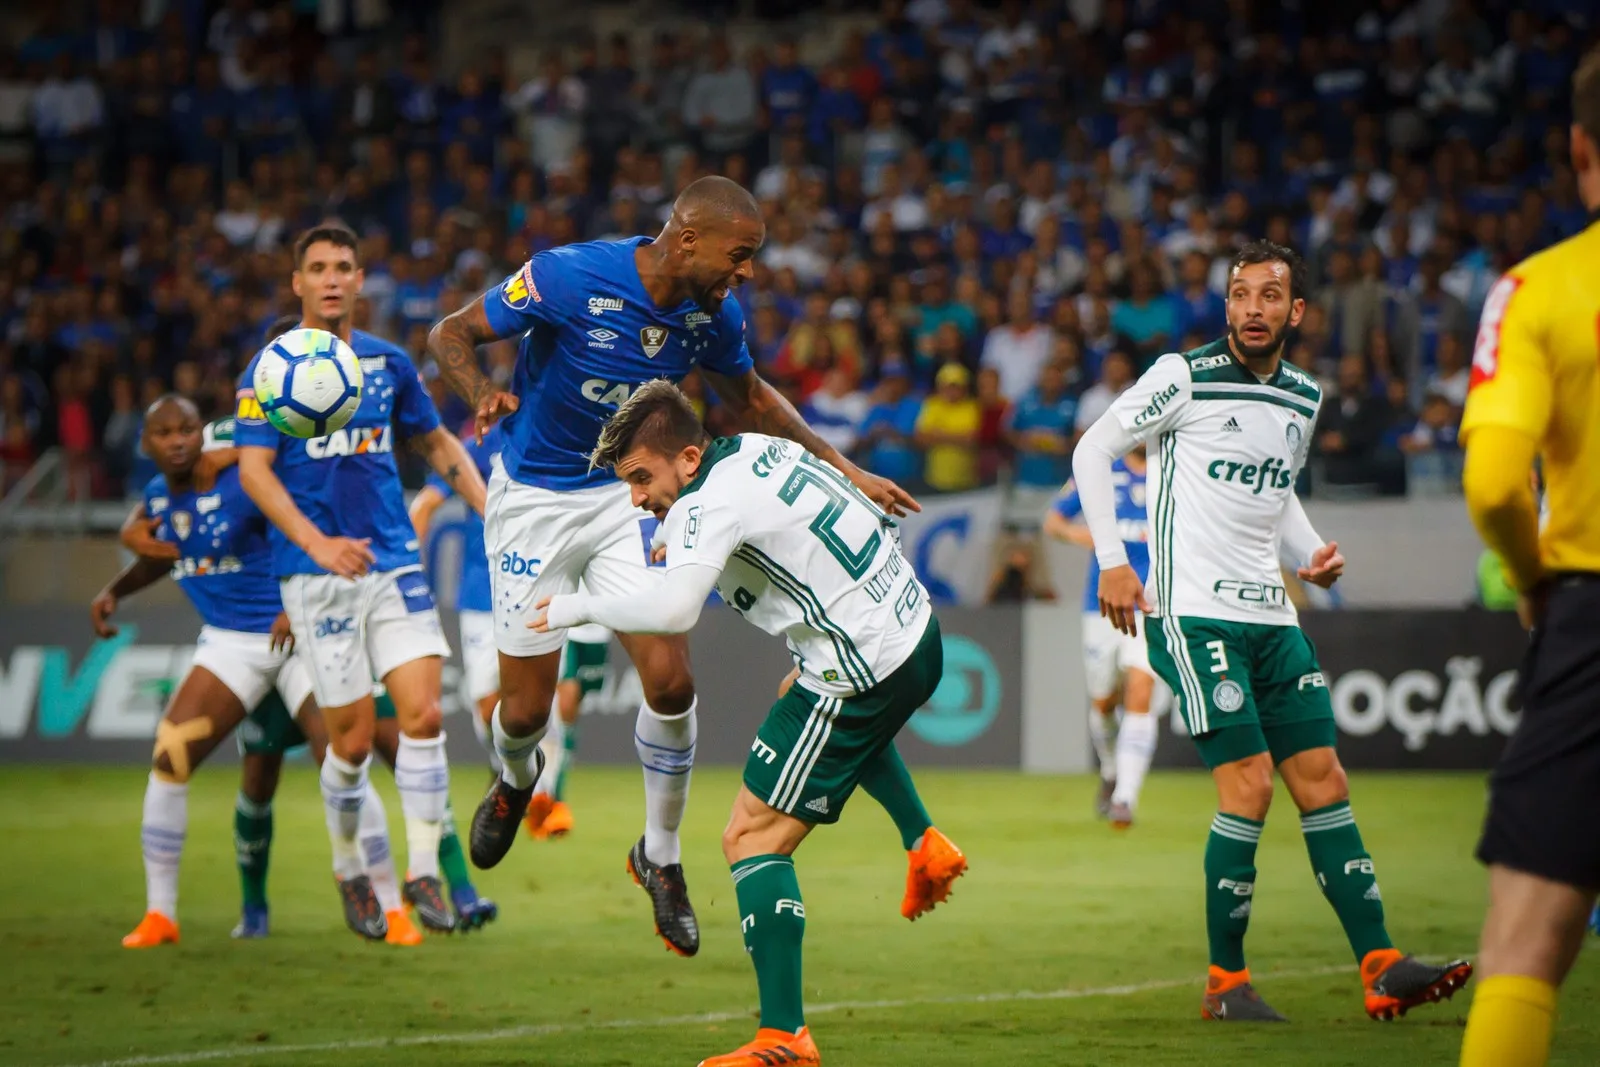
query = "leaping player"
{"x": 597, "y": 320}
{"x": 351, "y": 582}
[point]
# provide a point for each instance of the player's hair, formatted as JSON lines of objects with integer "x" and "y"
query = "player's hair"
{"x": 1270, "y": 252}
{"x": 657, "y": 416}
{"x": 335, "y": 233}
{"x": 1586, "y": 96}
{"x": 171, "y": 398}
{"x": 716, "y": 197}
{"x": 280, "y": 326}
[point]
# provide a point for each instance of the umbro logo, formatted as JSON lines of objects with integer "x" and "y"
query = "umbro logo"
{"x": 603, "y": 338}
{"x": 819, "y": 805}
{"x": 1232, "y": 426}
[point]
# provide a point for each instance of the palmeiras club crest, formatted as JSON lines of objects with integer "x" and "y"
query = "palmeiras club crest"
{"x": 653, "y": 339}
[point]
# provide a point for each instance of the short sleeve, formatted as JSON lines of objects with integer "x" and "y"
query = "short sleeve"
{"x": 414, "y": 413}
{"x": 732, "y": 356}
{"x": 1067, "y": 505}
{"x": 518, "y": 304}
{"x": 1158, "y": 401}
{"x": 701, "y": 530}
{"x": 250, "y": 426}
{"x": 1511, "y": 383}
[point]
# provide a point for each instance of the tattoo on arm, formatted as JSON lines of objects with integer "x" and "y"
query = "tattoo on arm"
{"x": 452, "y": 473}
{"x": 765, "y": 410}
{"x": 453, "y": 344}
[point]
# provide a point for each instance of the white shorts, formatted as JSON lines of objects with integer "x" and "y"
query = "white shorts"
{"x": 543, "y": 542}
{"x": 1108, "y": 653}
{"x": 247, "y": 665}
{"x": 480, "y": 661}
{"x": 350, "y": 633}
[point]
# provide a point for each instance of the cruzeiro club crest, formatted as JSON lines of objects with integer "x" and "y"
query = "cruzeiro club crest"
{"x": 181, "y": 524}
{"x": 1293, "y": 434}
{"x": 1227, "y": 696}
{"x": 653, "y": 339}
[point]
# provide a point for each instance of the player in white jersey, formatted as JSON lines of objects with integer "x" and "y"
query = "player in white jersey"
{"x": 1228, "y": 427}
{"x": 796, "y": 549}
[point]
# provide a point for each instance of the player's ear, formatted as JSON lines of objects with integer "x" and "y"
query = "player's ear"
{"x": 294, "y": 283}
{"x": 1297, "y": 311}
{"x": 688, "y": 238}
{"x": 361, "y": 278}
{"x": 1583, "y": 150}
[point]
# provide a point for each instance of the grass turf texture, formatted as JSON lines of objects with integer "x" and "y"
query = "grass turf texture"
{"x": 1055, "y": 902}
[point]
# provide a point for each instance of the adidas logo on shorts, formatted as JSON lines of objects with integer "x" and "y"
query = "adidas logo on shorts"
{"x": 1232, "y": 426}
{"x": 819, "y": 805}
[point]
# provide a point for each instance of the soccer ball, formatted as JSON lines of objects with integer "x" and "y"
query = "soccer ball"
{"x": 308, "y": 382}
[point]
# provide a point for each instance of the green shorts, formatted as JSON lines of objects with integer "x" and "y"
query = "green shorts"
{"x": 809, "y": 753}
{"x": 585, "y": 663}
{"x": 269, "y": 730}
{"x": 1243, "y": 688}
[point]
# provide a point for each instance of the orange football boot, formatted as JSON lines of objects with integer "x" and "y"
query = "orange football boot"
{"x": 402, "y": 931}
{"x": 934, "y": 866}
{"x": 1231, "y": 998}
{"x": 539, "y": 806}
{"x": 154, "y": 929}
{"x": 1395, "y": 983}
{"x": 772, "y": 1048}
{"x": 559, "y": 822}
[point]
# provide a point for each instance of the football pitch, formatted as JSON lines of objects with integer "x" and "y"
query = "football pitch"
{"x": 1065, "y": 944}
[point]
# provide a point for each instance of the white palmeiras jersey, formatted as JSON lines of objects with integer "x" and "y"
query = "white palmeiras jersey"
{"x": 802, "y": 554}
{"x": 1224, "y": 450}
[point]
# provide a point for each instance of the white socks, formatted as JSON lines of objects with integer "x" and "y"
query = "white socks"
{"x": 1136, "y": 744}
{"x": 517, "y": 767}
{"x": 166, "y": 821}
{"x": 554, "y": 753}
{"x": 375, "y": 851}
{"x": 422, "y": 774}
{"x": 344, "y": 787}
{"x": 666, "y": 749}
{"x": 1102, "y": 728}
{"x": 480, "y": 730}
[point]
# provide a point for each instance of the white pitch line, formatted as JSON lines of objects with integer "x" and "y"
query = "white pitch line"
{"x": 547, "y": 1029}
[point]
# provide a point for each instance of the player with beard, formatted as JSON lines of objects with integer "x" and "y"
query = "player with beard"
{"x": 596, "y": 321}
{"x": 1228, "y": 427}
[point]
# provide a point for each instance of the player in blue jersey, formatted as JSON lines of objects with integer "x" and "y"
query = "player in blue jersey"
{"x": 351, "y": 581}
{"x": 222, "y": 562}
{"x": 1114, "y": 664}
{"x": 596, "y": 321}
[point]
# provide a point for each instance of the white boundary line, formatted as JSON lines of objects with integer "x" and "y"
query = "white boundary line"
{"x": 547, "y": 1029}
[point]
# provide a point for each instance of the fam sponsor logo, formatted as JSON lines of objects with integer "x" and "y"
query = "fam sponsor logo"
{"x": 1252, "y": 593}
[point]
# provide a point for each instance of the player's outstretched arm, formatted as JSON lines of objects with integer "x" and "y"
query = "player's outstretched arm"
{"x": 137, "y": 575}
{"x": 1121, "y": 593}
{"x": 453, "y": 344}
{"x": 1063, "y": 529}
{"x": 449, "y": 459}
{"x": 423, "y": 505}
{"x": 765, "y": 410}
{"x": 673, "y": 609}
{"x": 138, "y": 535}
{"x": 1314, "y": 561}
{"x": 345, "y": 556}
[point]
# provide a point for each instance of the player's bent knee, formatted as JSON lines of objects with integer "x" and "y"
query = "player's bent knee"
{"x": 672, "y": 698}
{"x": 161, "y": 766}
{"x": 1244, "y": 787}
{"x": 426, "y": 721}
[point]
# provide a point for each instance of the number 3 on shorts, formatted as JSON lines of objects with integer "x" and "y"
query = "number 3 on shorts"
{"x": 1219, "y": 656}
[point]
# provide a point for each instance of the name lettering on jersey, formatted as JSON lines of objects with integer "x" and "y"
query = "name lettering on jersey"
{"x": 652, "y": 339}
{"x": 206, "y": 504}
{"x": 696, "y": 319}
{"x": 1249, "y": 592}
{"x": 181, "y": 524}
{"x": 200, "y": 566}
{"x": 519, "y": 291}
{"x": 879, "y": 584}
{"x": 1211, "y": 362}
{"x": 371, "y": 364}
{"x": 249, "y": 409}
{"x": 599, "y": 305}
{"x": 603, "y": 338}
{"x": 1157, "y": 404}
{"x": 351, "y": 441}
{"x": 603, "y": 392}
{"x": 776, "y": 453}
{"x": 1268, "y": 474}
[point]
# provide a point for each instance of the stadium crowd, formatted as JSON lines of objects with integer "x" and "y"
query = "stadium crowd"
{"x": 984, "y": 221}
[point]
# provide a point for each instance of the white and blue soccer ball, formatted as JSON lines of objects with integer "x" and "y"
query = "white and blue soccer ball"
{"x": 308, "y": 382}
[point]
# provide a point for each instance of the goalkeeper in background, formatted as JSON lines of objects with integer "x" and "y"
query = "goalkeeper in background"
{"x": 1534, "y": 394}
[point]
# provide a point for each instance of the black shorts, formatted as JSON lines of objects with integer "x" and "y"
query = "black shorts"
{"x": 1544, "y": 794}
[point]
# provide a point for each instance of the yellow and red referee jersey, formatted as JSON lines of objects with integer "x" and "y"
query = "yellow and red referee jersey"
{"x": 1536, "y": 371}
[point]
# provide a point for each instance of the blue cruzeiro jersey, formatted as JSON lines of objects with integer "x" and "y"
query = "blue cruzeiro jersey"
{"x": 1132, "y": 522}
{"x": 473, "y": 592}
{"x": 226, "y": 566}
{"x": 347, "y": 483}
{"x": 591, "y": 336}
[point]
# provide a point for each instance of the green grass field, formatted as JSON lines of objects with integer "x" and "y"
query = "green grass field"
{"x": 1065, "y": 944}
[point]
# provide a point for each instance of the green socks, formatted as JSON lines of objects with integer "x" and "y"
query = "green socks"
{"x": 886, "y": 780}
{"x": 569, "y": 751}
{"x": 1344, "y": 871}
{"x": 1230, "y": 886}
{"x": 451, "y": 860}
{"x": 774, "y": 924}
{"x": 252, "y": 845}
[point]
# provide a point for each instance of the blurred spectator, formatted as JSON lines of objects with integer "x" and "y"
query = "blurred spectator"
{"x": 994, "y": 411}
{"x": 120, "y": 439}
{"x": 1427, "y": 315}
{"x": 886, "y": 442}
{"x": 837, "y": 409}
{"x": 1116, "y": 374}
{"x": 1451, "y": 377}
{"x": 1041, "y": 430}
{"x": 1018, "y": 350}
{"x": 1350, "y": 433}
{"x": 721, "y": 103}
{"x": 947, "y": 432}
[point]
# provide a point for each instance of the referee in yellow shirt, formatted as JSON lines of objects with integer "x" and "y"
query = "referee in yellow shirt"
{"x": 1536, "y": 392}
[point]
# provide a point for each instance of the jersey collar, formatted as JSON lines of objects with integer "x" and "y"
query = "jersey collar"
{"x": 718, "y": 450}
